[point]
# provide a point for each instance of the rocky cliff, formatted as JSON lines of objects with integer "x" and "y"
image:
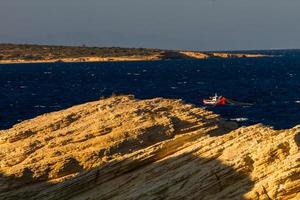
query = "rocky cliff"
{"x": 123, "y": 148}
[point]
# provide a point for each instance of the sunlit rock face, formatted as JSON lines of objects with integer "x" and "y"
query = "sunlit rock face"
{"x": 124, "y": 148}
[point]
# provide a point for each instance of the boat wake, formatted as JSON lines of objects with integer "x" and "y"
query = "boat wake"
{"x": 237, "y": 103}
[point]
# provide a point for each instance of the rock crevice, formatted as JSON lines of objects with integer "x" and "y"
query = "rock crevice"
{"x": 123, "y": 148}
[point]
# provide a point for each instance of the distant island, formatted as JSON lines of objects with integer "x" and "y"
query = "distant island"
{"x": 28, "y": 53}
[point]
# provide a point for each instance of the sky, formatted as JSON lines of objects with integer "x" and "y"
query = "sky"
{"x": 166, "y": 24}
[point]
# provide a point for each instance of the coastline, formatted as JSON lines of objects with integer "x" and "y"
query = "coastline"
{"x": 156, "y": 57}
{"x": 84, "y": 59}
{"x": 26, "y": 54}
{"x": 91, "y": 150}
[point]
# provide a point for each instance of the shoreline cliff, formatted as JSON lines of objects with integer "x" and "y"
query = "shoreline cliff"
{"x": 124, "y": 148}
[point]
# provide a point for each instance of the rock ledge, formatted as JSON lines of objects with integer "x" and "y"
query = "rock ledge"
{"x": 123, "y": 148}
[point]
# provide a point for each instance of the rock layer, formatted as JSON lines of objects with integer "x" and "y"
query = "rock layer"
{"x": 123, "y": 148}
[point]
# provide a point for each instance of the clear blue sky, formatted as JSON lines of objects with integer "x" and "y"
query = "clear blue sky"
{"x": 169, "y": 24}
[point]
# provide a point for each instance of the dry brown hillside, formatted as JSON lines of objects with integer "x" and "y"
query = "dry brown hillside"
{"x": 124, "y": 148}
{"x": 27, "y": 53}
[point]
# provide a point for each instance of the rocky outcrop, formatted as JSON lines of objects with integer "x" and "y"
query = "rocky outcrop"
{"x": 123, "y": 148}
{"x": 196, "y": 55}
{"x": 237, "y": 55}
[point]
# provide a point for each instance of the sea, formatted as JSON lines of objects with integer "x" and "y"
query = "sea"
{"x": 271, "y": 85}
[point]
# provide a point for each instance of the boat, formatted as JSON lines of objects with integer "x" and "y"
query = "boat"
{"x": 215, "y": 100}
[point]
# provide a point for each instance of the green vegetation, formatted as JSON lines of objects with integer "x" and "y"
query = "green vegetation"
{"x": 39, "y": 52}
{"x": 31, "y": 53}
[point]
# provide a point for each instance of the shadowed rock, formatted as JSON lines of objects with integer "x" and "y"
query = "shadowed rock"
{"x": 123, "y": 148}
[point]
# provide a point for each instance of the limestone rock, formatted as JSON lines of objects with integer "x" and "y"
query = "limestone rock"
{"x": 123, "y": 148}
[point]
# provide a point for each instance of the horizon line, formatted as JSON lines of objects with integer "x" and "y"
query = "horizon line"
{"x": 163, "y": 49}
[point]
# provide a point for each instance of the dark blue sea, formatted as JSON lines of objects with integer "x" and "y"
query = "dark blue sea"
{"x": 272, "y": 85}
